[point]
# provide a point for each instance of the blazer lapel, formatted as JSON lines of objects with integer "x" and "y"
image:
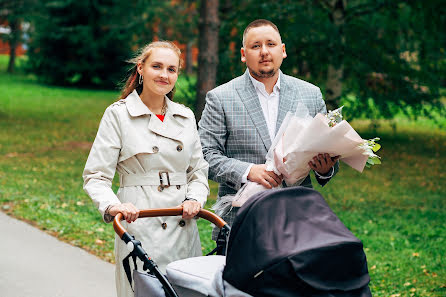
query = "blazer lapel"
{"x": 287, "y": 100}
{"x": 250, "y": 99}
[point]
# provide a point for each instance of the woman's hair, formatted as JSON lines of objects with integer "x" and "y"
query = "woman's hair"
{"x": 132, "y": 81}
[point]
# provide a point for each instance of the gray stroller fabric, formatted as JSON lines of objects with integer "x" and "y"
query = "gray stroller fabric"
{"x": 288, "y": 242}
{"x": 147, "y": 285}
{"x": 195, "y": 274}
{"x": 201, "y": 277}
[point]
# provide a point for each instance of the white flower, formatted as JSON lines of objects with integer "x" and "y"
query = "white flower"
{"x": 334, "y": 117}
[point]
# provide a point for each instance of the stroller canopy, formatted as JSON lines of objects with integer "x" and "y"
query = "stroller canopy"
{"x": 288, "y": 242}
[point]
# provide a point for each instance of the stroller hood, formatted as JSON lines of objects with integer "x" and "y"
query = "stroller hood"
{"x": 288, "y": 242}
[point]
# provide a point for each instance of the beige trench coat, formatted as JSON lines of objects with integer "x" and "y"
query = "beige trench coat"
{"x": 133, "y": 141}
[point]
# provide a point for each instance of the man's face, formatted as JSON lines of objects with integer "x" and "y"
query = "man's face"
{"x": 263, "y": 51}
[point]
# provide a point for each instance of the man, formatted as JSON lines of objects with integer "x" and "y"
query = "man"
{"x": 241, "y": 117}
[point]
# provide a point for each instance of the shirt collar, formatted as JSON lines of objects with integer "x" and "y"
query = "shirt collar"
{"x": 261, "y": 87}
{"x": 137, "y": 108}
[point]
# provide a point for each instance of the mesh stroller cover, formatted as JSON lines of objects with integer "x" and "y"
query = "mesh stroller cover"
{"x": 288, "y": 242}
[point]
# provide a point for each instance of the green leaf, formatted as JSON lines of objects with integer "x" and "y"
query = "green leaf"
{"x": 376, "y": 147}
{"x": 376, "y": 160}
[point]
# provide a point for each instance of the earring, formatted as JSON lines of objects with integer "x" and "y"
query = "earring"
{"x": 140, "y": 79}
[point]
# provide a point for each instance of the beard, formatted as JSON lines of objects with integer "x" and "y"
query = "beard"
{"x": 262, "y": 74}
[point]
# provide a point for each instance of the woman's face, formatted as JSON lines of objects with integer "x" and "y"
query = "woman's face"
{"x": 159, "y": 71}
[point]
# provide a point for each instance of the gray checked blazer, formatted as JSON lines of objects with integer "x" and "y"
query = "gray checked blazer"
{"x": 234, "y": 133}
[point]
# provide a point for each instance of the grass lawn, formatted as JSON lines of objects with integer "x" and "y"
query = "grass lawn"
{"x": 397, "y": 209}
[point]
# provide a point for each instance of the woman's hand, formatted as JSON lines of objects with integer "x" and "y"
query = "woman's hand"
{"x": 190, "y": 208}
{"x": 128, "y": 210}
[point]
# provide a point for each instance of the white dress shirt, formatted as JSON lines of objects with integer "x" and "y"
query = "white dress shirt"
{"x": 270, "y": 108}
{"x": 269, "y": 104}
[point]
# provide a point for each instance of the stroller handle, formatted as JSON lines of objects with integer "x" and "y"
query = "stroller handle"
{"x": 167, "y": 212}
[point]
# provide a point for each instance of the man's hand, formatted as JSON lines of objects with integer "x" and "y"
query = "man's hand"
{"x": 322, "y": 163}
{"x": 190, "y": 208}
{"x": 128, "y": 210}
{"x": 260, "y": 175}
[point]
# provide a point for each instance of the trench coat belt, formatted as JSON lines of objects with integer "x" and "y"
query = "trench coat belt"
{"x": 157, "y": 178}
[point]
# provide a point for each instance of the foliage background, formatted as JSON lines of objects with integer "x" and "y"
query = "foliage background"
{"x": 389, "y": 54}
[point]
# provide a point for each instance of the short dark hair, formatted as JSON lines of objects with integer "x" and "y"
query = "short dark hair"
{"x": 256, "y": 24}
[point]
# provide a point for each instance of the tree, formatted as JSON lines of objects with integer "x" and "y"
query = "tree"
{"x": 377, "y": 57}
{"x": 208, "y": 49}
{"x": 185, "y": 28}
{"x": 82, "y": 42}
{"x": 15, "y": 13}
{"x": 14, "y": 37}
{"x": 383, "y": 68}
{"x": 336, "y": 10}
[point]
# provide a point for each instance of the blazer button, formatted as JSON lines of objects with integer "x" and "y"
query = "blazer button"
{"x": 182, "y": 223}
{"x": 160, "y": 188}
{"x": 179, "y": 148}
{"x": 155, "y": 149}
{"x": 164, "y": 226}
{"x": 178, "y": 187}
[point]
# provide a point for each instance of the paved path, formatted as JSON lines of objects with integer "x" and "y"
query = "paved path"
{"x": 35, "y": 264}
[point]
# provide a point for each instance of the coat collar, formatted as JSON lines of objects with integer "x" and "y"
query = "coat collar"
{"x": 137, "y": 108}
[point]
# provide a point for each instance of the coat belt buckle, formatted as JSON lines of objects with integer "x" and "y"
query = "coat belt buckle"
{"x": 164, "y": 179}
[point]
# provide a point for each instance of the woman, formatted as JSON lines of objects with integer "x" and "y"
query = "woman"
{"x": 153, "y": 144}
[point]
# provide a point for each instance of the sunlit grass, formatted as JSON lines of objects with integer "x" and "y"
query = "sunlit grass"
{"x": 397, "y": 209}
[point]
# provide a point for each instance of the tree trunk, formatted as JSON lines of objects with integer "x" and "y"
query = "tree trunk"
{"x": 333, "y": 87}
{"x": 189, "y": 58}
{"x": 13, "y": 42}
{"x": 336, "y": 67}
{"x": 208, "y": 52}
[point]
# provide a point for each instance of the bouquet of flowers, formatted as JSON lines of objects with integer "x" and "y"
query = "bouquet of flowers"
{"x": 298, "y": 140}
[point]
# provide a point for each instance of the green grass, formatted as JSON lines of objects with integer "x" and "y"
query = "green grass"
{"x": 397, "y": 209}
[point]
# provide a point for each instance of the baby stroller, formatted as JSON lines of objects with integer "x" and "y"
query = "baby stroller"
{"x": 284, "y": 242}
